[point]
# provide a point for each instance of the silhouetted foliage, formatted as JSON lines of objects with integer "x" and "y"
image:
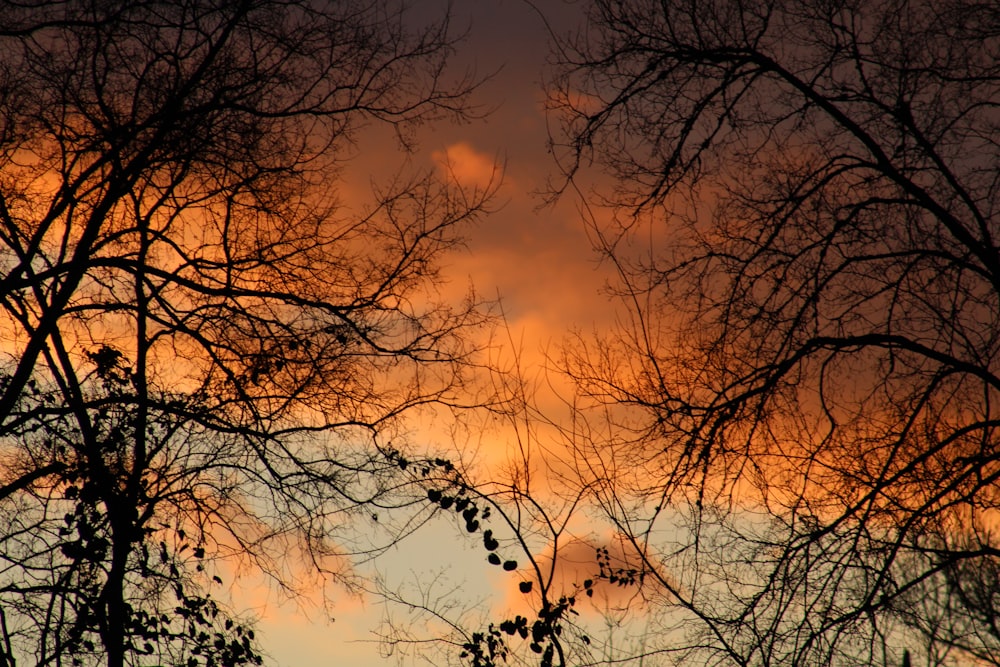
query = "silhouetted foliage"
{"x": 508, "y": 524}
{"x": 201, "y": 347}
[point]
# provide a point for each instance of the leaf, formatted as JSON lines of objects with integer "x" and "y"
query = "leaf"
{"x": 488, "y": 541}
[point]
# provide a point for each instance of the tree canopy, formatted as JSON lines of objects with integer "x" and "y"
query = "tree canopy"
{"x": 803, "y": 224}
{"x": 203, "y": 352}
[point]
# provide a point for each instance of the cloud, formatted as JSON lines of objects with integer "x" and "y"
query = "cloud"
{"x": 467, "y": 167}
{"x": 577, "y": 569}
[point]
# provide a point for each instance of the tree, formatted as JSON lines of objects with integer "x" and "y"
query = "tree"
{"x": 803, "y": 222}
{"x": 205, "y": 354}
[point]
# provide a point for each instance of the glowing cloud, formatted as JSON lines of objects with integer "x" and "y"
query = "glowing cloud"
{"x": 469, "y": 168}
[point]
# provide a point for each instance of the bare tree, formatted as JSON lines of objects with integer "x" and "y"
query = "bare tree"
{"x": 804, "y": 226}
{"x": 201, "y": 349}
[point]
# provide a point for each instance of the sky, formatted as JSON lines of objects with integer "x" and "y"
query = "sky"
{"x": 534, "y": 259}
{"x": 524, "y": 254}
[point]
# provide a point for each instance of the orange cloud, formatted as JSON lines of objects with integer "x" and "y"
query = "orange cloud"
{"x": 577, "y": 569}
{"x": 469, "y": 168}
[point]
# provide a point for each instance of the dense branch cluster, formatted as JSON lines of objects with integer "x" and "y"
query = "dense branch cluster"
{"x": 804, "y": 225}
{"x": 200, "y": 345}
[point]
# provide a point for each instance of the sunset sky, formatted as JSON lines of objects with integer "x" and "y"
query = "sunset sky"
{"x": 440, "y": 332}
{"x": 536, "y": 259}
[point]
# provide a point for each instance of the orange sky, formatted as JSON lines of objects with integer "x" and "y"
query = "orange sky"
{"x": 538, "y": 261}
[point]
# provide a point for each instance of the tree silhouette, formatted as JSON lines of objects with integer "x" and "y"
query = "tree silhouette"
{"x": 201, "y": 348}
{"x": 803, "y": 224}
